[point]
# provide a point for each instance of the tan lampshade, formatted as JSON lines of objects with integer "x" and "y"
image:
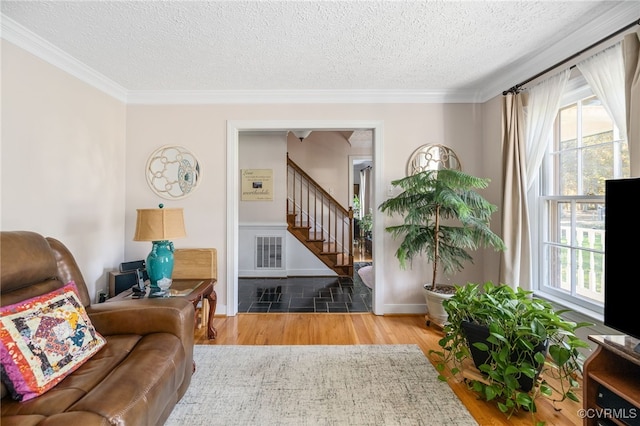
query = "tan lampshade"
{"x": 159, "y": 224}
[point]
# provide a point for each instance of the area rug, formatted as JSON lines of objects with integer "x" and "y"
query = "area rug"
{"x": 316, "y": 385}
{"x": 366, "y": 275}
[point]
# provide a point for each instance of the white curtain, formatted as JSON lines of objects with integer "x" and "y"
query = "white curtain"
{"x": 605, "y": 74}
{"x": 540, "y": 114}
{"x": 365, "y": 191}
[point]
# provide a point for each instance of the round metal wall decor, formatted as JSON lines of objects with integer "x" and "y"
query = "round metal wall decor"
{"x": 432, "y": 157}
{"x": 173, "y": 172}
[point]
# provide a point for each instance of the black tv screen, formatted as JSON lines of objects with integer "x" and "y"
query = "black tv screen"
{"x": 621, "y": 256}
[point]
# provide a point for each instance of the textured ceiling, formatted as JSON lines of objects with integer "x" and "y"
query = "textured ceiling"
{"x": 428, "y": 46}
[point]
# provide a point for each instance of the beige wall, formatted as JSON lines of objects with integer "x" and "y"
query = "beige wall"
{"x": 62, "y": 162}
{"x": 202, "y": 128}
{"x": 265, "y": 151}
{"x": 325, "y": 157}
{"x": 63, "y": 151}
{"x": 492, "y": 168}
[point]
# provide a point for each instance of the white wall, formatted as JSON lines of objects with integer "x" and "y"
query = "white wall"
{"x": 247, "y": 259}
{"x": 63, "y": 162}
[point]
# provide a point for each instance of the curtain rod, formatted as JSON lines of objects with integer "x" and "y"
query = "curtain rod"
{"x": 516, "y": 88}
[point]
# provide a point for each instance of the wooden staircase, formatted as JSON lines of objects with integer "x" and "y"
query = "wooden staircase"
{"x": 318, "y": 221}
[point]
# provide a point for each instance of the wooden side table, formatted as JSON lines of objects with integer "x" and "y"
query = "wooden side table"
{"x": 195, "y": 291}
{"x": 200, "y": 290}
{"x": 612, "y": 370}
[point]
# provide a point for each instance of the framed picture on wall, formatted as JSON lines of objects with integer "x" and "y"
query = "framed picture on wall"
{"x": 257, "y": 185}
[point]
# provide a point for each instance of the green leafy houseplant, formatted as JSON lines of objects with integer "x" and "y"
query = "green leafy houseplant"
{"x": 366, "y": 223}
{"x": 444, "y": 217}
{"x": 518, "y": 327}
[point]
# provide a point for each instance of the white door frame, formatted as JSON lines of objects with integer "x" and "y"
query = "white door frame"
{"x": 234, "y": 127}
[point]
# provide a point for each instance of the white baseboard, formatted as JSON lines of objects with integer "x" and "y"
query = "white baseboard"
{"x": 265, "y": 273}
{"x": 262, "y": 273}
{"x": 405, "y": 309}
{"x": 311, "y": 273}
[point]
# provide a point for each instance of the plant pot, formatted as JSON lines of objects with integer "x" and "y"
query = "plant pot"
{"x": 479, "y": 333}
{"x": 434, "y": 299}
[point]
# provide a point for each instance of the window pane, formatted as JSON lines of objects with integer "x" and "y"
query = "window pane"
{"x": 568, "y": 182}
{"x": 559, "y": 223}
{"x": 590, "y": 216}
{"x": 597, "y": 163}
{"x": 559, "y": 268}
{"x": 590, "y": 275}
{"x": 597, "y": 126}
{"x": 568, "y": 127}
{"x": 625, "y": 162}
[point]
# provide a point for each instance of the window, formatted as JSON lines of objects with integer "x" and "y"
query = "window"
{"x": 586, "y": 150}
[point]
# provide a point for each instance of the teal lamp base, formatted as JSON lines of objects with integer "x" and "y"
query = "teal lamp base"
{"x": 160, "y": 268}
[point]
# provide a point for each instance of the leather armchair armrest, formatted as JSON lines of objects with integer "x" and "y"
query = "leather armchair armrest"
{"x": 145, "y": 316}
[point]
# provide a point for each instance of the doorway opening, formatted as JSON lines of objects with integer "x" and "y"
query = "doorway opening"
{"x": 234, "y": 129}
{"x": 361, "y": 192}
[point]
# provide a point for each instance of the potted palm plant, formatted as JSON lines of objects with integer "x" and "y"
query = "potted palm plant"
{"x": 522, "y": 347}
{"x": 444, "y": 217}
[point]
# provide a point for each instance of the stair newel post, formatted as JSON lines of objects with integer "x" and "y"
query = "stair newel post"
{"x": 291, "y": 191}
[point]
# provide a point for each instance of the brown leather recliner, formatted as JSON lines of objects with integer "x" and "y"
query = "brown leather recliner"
{"x": 135, "y": 379}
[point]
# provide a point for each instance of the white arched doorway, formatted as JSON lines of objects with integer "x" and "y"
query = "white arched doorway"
{"x": 234, "y": 128}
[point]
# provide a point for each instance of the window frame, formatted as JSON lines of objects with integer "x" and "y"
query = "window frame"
{"x": 577, "y": 88}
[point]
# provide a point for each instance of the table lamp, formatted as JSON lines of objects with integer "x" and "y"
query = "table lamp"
{"x": 159, "y": 226}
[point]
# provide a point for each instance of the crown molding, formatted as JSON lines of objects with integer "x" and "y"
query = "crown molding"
{"x": 296, "y": 97}
{"x": 623, "y": 14}
{"x": 608, "y": 23}
{"x": 41, "y": 48}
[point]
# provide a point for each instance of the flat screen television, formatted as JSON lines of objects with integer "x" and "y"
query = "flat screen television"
{"x": 622, "y": 256}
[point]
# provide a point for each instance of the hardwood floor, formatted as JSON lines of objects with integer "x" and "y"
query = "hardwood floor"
{"x": 359, "y": 252}
{"x": 363, "y": 329}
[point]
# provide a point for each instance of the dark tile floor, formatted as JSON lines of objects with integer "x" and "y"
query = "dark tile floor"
{"x": 304, "y": 294}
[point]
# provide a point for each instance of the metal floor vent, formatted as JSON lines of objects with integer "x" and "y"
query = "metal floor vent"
{"x": 269, "y": 252}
